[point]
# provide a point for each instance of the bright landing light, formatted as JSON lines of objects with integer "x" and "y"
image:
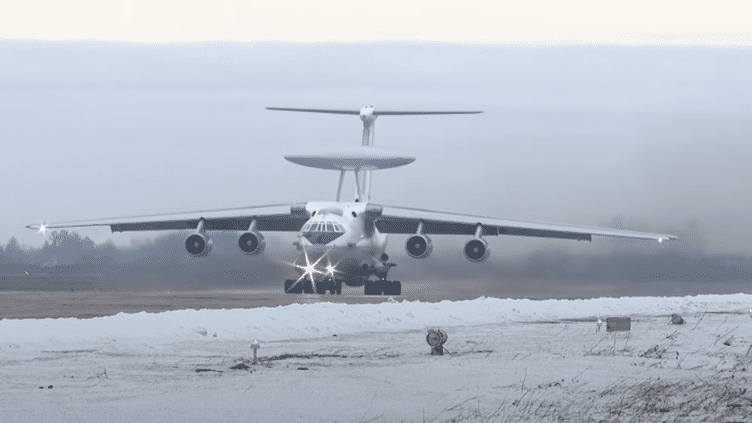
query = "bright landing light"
{"x": 331, "y": 269}
{"x": 310, "y": 268}
{"x": 43, "y": 229}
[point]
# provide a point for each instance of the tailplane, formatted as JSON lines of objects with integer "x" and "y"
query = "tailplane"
{"x": 362, "y": 161}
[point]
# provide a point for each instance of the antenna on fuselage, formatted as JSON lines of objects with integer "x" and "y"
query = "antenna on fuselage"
{"x": 368, "y": 115}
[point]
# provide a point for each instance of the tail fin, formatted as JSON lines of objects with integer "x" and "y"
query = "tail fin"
{"x": 368, "y": 115}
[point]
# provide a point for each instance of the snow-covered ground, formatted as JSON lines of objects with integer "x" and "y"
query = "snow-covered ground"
{"x": 511, "y": 360}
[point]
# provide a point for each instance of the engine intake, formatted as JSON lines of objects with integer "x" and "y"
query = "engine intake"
{"x": 251, "y": 242}
{"x": 197, "y": 245}
{"x": 419, "y": 246}
{"x": 477, "y": 250}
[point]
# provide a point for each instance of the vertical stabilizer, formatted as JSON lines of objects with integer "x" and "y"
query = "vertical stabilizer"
{"x": 369, "y": 133}
{"x": 368, "y": 116}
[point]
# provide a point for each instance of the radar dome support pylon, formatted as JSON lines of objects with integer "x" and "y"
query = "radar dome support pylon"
{"x": 369, "y": 133}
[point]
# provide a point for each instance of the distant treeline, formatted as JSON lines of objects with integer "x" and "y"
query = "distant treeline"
{"x": 160, "y": 263}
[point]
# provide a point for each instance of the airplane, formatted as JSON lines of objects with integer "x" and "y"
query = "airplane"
{"x": 345, "y": 241}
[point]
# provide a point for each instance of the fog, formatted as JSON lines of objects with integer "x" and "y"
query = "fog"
{"x": 652, "y": 138}
{"x": 68, "y": 261}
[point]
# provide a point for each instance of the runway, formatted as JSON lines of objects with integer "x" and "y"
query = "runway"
{"x": 46, "y": 303}
{"x": 89, "y": 304}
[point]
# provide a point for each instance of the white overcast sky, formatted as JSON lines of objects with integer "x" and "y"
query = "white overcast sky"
{"x": 632, "y": 22}
{"x": 593, "y": 109}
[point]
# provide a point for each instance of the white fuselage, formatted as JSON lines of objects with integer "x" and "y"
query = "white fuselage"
{"x": 341, "y": 234}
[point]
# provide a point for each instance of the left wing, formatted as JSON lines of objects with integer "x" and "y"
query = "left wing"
{"x": 402, "y": 220}
{"x": 280, "y": 217}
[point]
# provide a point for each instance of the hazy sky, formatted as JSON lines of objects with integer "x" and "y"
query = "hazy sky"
{"x": 572, "y": 133}
{"x": 632, "y": 22}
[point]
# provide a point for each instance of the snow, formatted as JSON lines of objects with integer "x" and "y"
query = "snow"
{"x": 142, "y": 367}
{"x": 299, "y": 321}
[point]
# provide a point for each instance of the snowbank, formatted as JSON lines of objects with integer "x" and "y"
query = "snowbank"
{"x": 325, "y": 319}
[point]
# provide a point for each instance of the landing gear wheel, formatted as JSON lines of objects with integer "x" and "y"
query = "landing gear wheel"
{"x": 373, "y": 287}
{"x": 288, "y": 286}
{"x": 292, "y": 288}
{"x": 393, "y": 288}
{"x": 323, "y": 286}
{"x": 333, "y": 285}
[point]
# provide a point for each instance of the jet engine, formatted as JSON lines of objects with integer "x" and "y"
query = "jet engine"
{"x": 419, "y": 246}
{"x": 477, "y": 249}
{"x": 251, "y": 242}
{"x": 197, "y": 245}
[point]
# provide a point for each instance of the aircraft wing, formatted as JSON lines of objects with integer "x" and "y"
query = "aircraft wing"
{"x": 282, "y": 217}
{"x": 402, "y": 220}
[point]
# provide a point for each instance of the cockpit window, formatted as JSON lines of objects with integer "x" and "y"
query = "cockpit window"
{"x": 322, "y": 232}
{"x": 323, "y": 227}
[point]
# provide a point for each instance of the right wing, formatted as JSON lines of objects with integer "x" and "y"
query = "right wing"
{"x": 404, "y": 220}
{"x": 281, "y": 217}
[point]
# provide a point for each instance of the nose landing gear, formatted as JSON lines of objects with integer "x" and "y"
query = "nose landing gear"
{"x": 298, "y": 287}
{"x": 306, "y": 287}
{"x": 333, "y": 286}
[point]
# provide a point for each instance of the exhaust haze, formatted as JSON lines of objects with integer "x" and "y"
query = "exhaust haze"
{"x": 68, "y": 261}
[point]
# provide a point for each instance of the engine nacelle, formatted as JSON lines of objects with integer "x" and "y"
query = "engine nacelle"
{"x": 477, "y": 249}
{"x": 197, "y": 245}
{"x": 251, "y": 242}
{"x": 419, "y": 246}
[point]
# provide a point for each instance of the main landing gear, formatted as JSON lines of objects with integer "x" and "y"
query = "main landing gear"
{"x": 306, "y": 287}
{"x": 379, "y": 287}
{"x": 383, "y": 287}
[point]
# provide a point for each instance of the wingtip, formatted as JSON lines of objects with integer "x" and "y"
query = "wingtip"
{"x": 663, "y": 239}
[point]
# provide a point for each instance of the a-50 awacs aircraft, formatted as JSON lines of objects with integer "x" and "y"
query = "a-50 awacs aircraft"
{"x": 345, "y": 241}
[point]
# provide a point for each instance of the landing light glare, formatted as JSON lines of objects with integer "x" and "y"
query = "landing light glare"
{"x": 310, "y": 268}
{"x": 331, "y": 269}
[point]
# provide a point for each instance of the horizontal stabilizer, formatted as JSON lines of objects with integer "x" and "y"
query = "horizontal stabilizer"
{"x": 340, "y": 112}
{"x": 375, "y": 112}
{"x": 379, "y": 113}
